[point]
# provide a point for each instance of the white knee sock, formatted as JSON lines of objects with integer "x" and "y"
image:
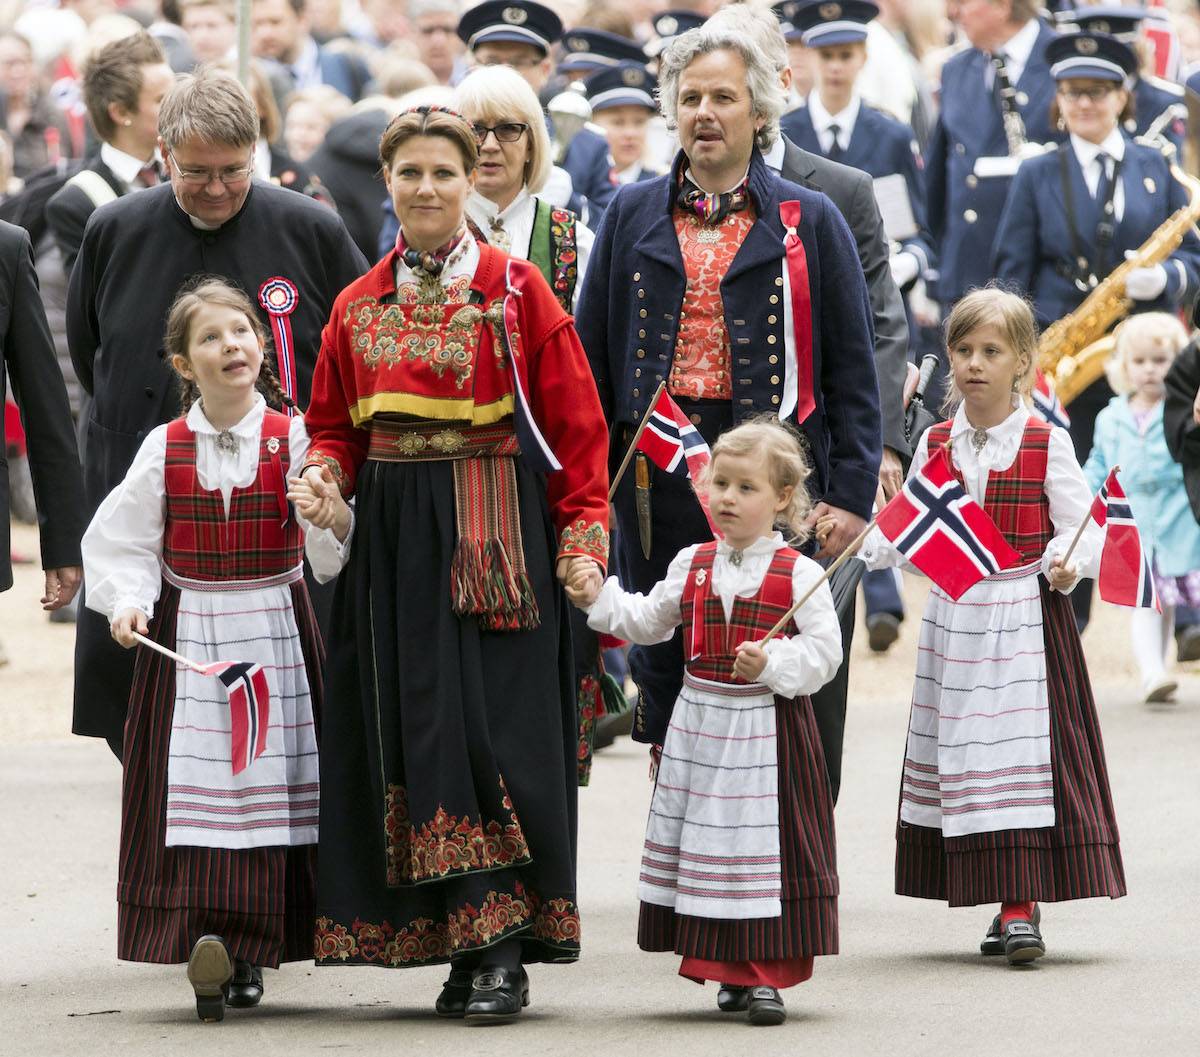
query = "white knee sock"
{"x": 1151, "y": 633}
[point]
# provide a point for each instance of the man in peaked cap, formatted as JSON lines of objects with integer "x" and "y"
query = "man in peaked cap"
{"x": 587, "y": 51}
{"x": 668, "y": 25}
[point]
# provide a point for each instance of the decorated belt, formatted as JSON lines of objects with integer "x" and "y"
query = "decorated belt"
{"x": 395, "y": 441}
{"x": 257, "y": 584}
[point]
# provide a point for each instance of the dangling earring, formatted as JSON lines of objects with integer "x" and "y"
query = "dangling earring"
{"x": 1060, "y": 124}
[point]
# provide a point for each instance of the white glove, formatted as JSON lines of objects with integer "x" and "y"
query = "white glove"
{"x": 905, "y": 268}
{"x": 1146, "y": 284}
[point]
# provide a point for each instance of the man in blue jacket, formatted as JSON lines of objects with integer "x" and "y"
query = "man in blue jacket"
{"x": 689, "y": 282}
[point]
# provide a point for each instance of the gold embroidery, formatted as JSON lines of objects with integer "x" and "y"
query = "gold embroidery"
{"x": 448, "y": 441}
{"x": 318, "y": 458}
{"x": 390, "y": 334}
{"x": 589, "y": 538}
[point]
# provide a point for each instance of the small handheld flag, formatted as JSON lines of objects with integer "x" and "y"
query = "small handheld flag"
{"x": 674, "y": 445}
{"x": 1125, "y": 577}
{"x": 1046, "y": 404}
{"x": 938, "y": 527}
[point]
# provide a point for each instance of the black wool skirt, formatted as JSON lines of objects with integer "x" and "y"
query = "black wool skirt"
{"x": 448, "y": 804}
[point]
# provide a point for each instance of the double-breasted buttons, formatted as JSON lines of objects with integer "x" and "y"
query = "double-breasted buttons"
{"x": 970, "y": 216}
{"x": 641, "y": 354}
{"x": 637, "y": 373}
{"x": 772, "y": 358}
{"x": 771, "y": 339}
{"x": 637, "y": 392}
{"x": 641, "y": 333}
{"x": 772, "y": 319}
{"x": 774, "y": 299}
{"x": 642, "y": 313}
{"x": 779, "y": 280}
{"x": 774, "y": 379}
{"x": 695, "y": 419}
{"x": 641, "y": 294}
{"x": 637, "y": 277}
{"x": 774, "y": 399}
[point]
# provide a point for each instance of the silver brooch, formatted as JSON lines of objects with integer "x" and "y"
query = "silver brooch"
{"x": 735, "y": 558}
{"x": 227, "y": 442}
{"x": 978, "y": 439}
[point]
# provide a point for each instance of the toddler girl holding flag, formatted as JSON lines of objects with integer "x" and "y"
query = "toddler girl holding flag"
{"x": 739, "y": 871}
{"x": 1004, "y": 796}
{"x": 199, "y": 550}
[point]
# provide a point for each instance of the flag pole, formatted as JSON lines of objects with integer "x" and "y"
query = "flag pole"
{"x": 833, "y": 567}
{"x": 158, "y": 647}
{"x": 612, "y": 490}
{"x": 1084, "y": 523}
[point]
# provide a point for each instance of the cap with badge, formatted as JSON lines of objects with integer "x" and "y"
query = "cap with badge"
{"x": 1094, "y": 55}
{"x": 786, "y": 13}
{"x": 626, "y": 84}
{"x": 1124, "y": 23}
{"x": 822, "y": 25}
{"x": 588, "y": 50}
{"x": 510, "y": 22}
{"x": 669, "y": 24}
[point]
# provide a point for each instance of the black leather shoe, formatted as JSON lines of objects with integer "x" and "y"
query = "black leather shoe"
{"x": 497, "y": 995}
{"x": 209, "y": 972}
{"x": 993, "y": 942}
{"x": 246, "y": 988}
{"x": 766, "y": 1007}
{"x": 733, "y": 999}
{"x": 1022, "y": 942}
{"x": 452, "y": 1002}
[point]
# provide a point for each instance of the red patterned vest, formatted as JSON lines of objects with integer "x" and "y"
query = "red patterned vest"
{"x": 259, "y": 538}
{"x": 708, "y": 642}
{"x": 1016, "y": 497}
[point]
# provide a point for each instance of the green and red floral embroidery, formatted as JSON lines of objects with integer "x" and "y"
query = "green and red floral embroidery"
{"x": 565, "y": 269}
{"x": 583, "y": 537}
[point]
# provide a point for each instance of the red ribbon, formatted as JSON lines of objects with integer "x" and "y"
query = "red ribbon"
{"x": 797, "y": 266}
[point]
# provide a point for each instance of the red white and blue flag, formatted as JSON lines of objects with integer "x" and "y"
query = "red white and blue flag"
{"x": 938, "y": 527}
{"x": 1164, "y": 41}
{"x": 673, "y": 444}
{"x": 1046, "y": 404}
{"x": 1125, "y": 578}
{"x": 249, "y": 708}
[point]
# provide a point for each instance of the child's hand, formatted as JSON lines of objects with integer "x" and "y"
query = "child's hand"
{"x": 583, "y": 583}
{"x": 125, "y": 623}
{"x": 1062, "y": 577}
{"x": 750, "y": 662}
{"x": 319, "y": 501}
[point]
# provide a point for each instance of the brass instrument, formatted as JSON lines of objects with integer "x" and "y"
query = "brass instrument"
{"x": 1073, "y": 350}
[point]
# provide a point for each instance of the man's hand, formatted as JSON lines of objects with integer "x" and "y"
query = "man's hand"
{"x": 61, "y": 585}
{"x": 835, "y": 529}
{"x": 891, "y": 474}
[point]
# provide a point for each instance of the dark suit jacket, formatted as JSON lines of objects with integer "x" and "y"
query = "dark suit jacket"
{"x": 27, "y": 356}
{"x": 1183, "y": 435}
{"x": 69, "y": 210}
{"x": 853, "y": 194}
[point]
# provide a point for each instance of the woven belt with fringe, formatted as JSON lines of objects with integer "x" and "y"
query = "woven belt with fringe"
{"x": 488, "y": 578}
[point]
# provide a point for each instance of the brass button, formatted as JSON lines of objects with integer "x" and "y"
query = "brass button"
{"x": 637, "y": 277}
{"x": 641, "y": 294}
{"x": 641, "y": 333}
{"x": 695, "y": 419}
{"x": 772, "y": 319}
{"x": 770, "y": 339}
{"x": 637, "y": 373}
{"x": 772, "y": 358}
{"x": 637, "y": 392}
{"x": 774, "y": 299}
{"x": 641, "y": 354}
{"x": 779, "y": 280}
{"x": 774, "y": 399}
{"x": 642, "y": 313}
{"x": 774, "y": 379}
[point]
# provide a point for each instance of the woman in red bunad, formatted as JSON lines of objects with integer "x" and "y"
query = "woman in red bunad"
{"x": 453, "y": 400}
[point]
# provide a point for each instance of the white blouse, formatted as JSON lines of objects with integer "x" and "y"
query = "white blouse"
{"x": 516, "y": 229}
{"x": 1066, "y": 489}
{"x": 798, "y": 665}
{"x": 122, "y": 548}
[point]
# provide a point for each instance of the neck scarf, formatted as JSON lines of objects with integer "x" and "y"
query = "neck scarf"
{"x": 711, "y": 208}
{"x": 431, "y": 263}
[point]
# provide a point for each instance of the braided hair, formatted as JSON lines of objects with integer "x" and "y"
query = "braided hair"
{"x": 213, "y": 290}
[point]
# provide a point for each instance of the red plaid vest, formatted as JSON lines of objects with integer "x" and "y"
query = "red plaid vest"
{"x": 1016, "y": 497}
{"x": 259, "y": 538}
{"x": 750, "y": 618}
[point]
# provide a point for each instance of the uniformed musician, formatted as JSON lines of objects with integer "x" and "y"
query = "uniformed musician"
{"x": 622, "y": 101}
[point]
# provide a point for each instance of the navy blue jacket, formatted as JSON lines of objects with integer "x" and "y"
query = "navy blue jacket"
{"x": 1033, "y": 245}
{"x": 590, "y": 165}
{"x": 879, "y": 146}
{"x": 628, "y": 319}
{"x": 964, "y": 209}
{"x": 1151, "y": 97}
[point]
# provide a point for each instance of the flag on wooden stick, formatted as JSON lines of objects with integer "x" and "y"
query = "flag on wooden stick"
{"x": 1125, "y": 577}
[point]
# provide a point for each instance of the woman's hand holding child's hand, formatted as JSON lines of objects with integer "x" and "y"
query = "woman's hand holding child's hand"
{"x": 319, "y": 501}
{"x": 1061, "y": 578}
{"x": 750, "y": 662}
{"x": 583, "y": 582}
{"x": 125, "y": 623}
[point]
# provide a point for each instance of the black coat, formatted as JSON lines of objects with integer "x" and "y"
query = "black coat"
{"x": 71, "y": 207}
{"x": 1183, "y": 435}
{"x": 136, "y": 254}
{"x": 27, "y": 357}
{"x": 347, "y": 163}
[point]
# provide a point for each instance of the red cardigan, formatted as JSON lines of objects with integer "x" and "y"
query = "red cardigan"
{"x": 357, "y": 377}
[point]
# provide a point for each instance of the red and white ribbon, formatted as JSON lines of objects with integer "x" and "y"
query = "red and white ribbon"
{"x": 279, "y": 297}
{"x": 798, "y": 380}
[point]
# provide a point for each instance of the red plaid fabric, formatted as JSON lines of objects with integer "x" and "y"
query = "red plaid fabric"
{"x": 750, "y": 619}
{"x": 199, "y": 542}
{"x": 1016, "y": 498}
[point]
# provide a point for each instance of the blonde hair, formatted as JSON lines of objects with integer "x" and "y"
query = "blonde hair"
{"x": 1009, "y": 313}
{"x": 489, "y": 94}
{"x": 782, "y": 447}
{"x": 1157, "y": 330}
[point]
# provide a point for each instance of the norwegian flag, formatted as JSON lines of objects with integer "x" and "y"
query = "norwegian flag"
{"x": 249, "y": 708}
{"x": 1157, "y": 29}
{"x": 1125, "y": 578}
{"x": 673, "y": 444}
{"x": 1046, "y": 404}
{"x": 943, "y": 531}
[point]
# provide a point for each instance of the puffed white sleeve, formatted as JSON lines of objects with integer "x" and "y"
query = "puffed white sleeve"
{"x": 1070, "y": 501}
{"x": 325, "y": 552}
{"x": 805, "y": 662}
{"x": 122, "y": 547}
{"x": 877, "y": 551}
{"x": 644, "y": 619}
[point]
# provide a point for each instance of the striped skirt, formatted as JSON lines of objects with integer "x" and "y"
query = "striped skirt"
{"x": 808, "y": 924}
{"x": 259, "y": 900}
{"x": 1079, "y": 856}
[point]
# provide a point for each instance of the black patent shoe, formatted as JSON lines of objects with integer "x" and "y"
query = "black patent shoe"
{"x": 209, "y": 972}
{"x": 452, "y": 1002}
{"x": 1022, "y": 942}
{"x": 246, "y": 988}
{"x": 993, "y": 942}
{"x": 733, "y": 999}
{"x": 766, "y": 1007}
{"x": 497, "y": 995}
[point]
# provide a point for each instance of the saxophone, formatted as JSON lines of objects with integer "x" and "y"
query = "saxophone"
{"x": 1072, "y": 351}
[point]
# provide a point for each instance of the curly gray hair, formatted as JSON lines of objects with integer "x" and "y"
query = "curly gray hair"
{"x": 767, "y": 98}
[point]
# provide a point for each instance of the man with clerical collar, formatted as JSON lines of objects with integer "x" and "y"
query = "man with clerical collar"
{"x": 744, "y": 293}
{"x": 290, "y": 254}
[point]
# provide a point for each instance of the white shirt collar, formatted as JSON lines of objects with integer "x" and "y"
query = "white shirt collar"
{"x": 483, "y": 210}
{"x": 1018, "y": 48}
{"x": 629, "y": 174}
{"x": 822, "y": 118}
{"x": 249, "y": 426}
{"x": 1113, "y": 145}
{"x": 761, "y": 546}
{"x": 125, "y": 167}
{"x": 773, "y": 157}
{"x": 688, "y": 173}
{"x": 463, "y": 260}
{"x": 1013, "y": 426}
{"x": 261, "y": 160}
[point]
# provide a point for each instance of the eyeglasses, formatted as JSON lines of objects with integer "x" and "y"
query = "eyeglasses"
{"x": 203, "y": 177}
{"x": 1093, "y": 94}
{"x": 505, "y": 131}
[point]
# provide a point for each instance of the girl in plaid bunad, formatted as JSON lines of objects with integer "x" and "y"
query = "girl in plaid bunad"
{"x": 1004, "y": 796}
{"x": 739, "y": 872}
{"x": 199, "y": 550}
